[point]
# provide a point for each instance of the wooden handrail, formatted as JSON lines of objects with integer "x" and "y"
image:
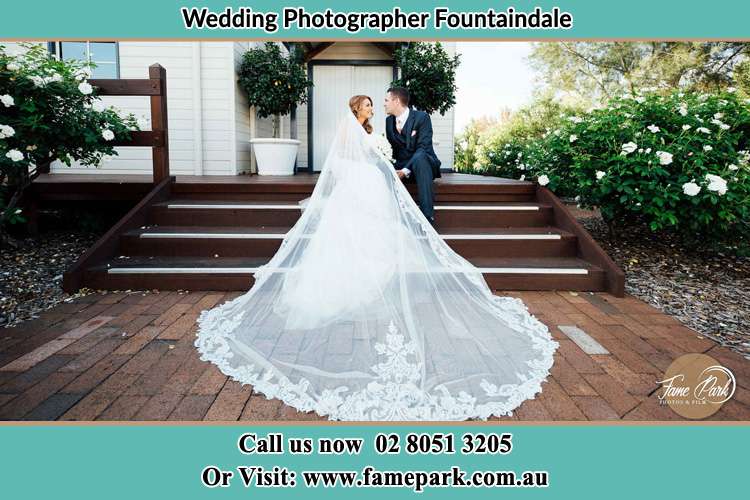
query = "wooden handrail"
{"x": 158, "y": 74}
{"x": 155, "y": 86}
{"x": 144, "y": 86}
{"x": 143, "y": 138}
{"x": 587, "y": 247}
{"x": 106, "y": 246}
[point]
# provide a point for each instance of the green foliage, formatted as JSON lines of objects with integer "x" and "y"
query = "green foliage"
{"x": 529, "y": 144}
{"x": 467, "y": 145}
{"x": 429, "y": 73}
{"x": 594, "y": 72}
{"x": 638, "y": 158}
{"x": 275, "y": 84}
{"x": 49, "y": 111}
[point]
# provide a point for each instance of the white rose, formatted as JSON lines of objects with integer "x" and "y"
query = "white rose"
{"x": 98, "y": 106}
{"x": 108, "y": 134}
{"x": 83, "y": 73}
{"x": 716, "y": 183}
{"x": 731, "y": 90}
{"x": 733, "y": 167}
{"x": 543, "y": 180}
{"x": 600, "y": 175}
{"x": 38, "y": 80}
{"x": 522, "y": 178}
{"x": 653, "y": 128}
{"x": 6, "y": 131}
{"x": 14, "y": 155}
{"x": 703, "y": 130}
{"x": 683, "y": 109}
{"x": 691, "y": 188}
{"x": 686, "y": 127}
{"x": 573, "y": 138}
{"x": 13, "y": 66}
{"x": 576, "y": 119}
{"x": 85, "y": 88}
{"x": 629, "y": 147}
{"x": 664, "y": 157}
{"x": 707, "y": 148}
{"x": 7, "y": 100}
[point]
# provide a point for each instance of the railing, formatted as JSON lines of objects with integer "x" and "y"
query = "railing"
{"x": 157, "y": 138}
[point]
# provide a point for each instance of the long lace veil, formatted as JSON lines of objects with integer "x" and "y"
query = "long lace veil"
{"x": 365, "y": 313}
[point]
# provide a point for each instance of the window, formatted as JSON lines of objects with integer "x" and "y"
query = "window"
{"x": 103, "y": 54}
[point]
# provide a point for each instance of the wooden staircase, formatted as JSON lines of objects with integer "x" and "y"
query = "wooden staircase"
{"x": 212, "y": 236}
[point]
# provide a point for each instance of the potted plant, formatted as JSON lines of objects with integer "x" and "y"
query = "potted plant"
{"x": 275, "y": 84}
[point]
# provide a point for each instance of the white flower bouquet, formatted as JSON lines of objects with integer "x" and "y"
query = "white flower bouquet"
{"x": 383, "y": 146}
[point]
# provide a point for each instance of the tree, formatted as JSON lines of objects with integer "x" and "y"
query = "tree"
{"x": 598, "y": 71}
{"x": 429, "y": 73}
{"x": 275, "y": 84}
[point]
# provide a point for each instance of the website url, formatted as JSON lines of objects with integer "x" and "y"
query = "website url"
{"x": 369, "y": 477}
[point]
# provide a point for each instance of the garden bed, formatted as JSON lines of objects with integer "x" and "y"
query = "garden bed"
{"x": 707, "y": 291}
{"x": 31, "y": 275}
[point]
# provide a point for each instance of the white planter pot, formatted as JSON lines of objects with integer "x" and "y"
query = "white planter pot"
{"x": 275, "y": 156}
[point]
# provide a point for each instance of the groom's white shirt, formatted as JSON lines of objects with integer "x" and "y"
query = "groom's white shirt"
{"x": 400, "y": 121}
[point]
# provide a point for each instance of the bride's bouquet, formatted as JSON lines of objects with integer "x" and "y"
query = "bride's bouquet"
{"x": 383, "y": 146}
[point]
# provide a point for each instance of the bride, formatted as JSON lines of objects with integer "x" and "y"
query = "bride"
{"x": 365, "y": 313}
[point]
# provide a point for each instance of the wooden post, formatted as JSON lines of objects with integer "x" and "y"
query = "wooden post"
{"x": 159, "y": 122}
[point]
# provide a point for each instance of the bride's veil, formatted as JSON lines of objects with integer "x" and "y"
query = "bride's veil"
{"x": 365, "y": 313}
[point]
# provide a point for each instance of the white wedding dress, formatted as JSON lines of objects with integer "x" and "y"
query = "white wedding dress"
{"x": 365, "y": 313}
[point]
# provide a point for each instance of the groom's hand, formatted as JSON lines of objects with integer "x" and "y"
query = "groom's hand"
{"x": 401, "y": 174}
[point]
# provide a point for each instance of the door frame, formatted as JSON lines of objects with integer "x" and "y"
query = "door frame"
{"x": 334, "y": 62}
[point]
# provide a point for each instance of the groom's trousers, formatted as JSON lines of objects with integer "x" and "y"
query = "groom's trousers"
{"x": 422, "y": 175}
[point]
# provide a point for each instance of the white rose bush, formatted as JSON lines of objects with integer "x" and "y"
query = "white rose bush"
{"x": 49, "y": 111}
{"x": 674, "y": 161}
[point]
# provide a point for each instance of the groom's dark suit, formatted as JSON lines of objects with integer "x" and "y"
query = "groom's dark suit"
{"x": 412, "y": 149}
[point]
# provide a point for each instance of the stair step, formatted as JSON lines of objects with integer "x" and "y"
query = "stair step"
{"x": 451, "y": 187}
{"x": 226, "y": 273}
{"x": 261, "y": 212}
{"x": 264, "y": 241}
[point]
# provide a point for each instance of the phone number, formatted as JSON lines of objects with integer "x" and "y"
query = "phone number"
{"x": 437, "y": 443}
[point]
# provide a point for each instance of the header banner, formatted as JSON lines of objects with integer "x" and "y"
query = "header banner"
{"x": 409, "y": 20}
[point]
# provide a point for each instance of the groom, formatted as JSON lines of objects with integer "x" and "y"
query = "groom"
{"x": 410, "y": 133}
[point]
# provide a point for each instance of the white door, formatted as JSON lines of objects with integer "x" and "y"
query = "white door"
{"x": 334, "y": 85}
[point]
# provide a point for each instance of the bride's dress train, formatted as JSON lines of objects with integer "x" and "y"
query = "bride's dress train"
{"x": 365, "y": 313}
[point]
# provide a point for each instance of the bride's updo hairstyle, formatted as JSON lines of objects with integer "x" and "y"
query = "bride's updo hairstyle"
{"x": 355, "y": 103}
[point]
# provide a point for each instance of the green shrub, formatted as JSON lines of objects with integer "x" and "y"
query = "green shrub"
{"x": 676, "y": 162}
{"x": 49, "y": 111}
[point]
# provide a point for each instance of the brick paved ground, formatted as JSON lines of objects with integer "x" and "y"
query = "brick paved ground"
{"x": 121, "y": 356}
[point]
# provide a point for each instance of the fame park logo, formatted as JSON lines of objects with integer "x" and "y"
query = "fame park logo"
{"x": 696, "y": 385}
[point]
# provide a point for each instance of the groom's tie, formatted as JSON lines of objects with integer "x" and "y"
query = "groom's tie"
{"x": 399, "y": 125}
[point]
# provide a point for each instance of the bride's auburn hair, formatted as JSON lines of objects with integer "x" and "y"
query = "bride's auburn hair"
{"x": 354, "y": 104}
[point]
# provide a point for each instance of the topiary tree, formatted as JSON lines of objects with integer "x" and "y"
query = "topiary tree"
{"x": 275, "y": 84}
{"x": 49, "y": 111}
{"x": 429, "y": 73}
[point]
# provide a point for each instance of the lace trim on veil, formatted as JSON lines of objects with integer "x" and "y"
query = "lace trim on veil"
{"x": 394, "y": 395}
